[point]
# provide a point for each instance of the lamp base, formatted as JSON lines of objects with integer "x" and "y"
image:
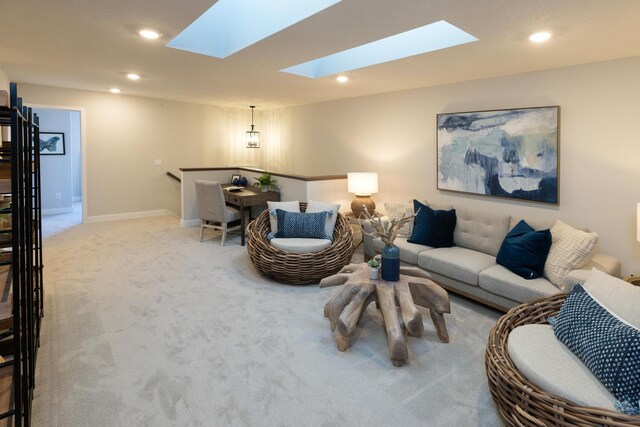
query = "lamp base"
{"x": 359, "y": 203}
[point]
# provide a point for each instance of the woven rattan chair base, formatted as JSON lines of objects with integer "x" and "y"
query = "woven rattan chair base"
{"x": 294, "y": 268}
{"x": 522, "y": 403}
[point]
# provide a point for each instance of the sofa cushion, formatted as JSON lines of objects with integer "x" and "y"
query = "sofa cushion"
{"x": 330, "y": 223}
{"x": 500, "y": 281}
{"x": 300, "y": 245}
{"x": 457, "y": 263}
{"x": 301, "y": 225}
{"x": 608, "y": 346}
{"x": 570, "y": 249}
{"x": 524, "y": 251}
{"x": 433, "y": 227}
{"x": 408, "y": 251}
{"x": 285, "y": 206}
{"x": 618, "y": 296}
{"x": 546, "y": 362}
{"x": 482, "y": 231}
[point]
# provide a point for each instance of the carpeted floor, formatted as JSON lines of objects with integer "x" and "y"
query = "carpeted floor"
{"x": 145, "y": 326}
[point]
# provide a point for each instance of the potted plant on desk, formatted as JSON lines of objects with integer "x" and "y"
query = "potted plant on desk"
{"x": 266, "y": 182}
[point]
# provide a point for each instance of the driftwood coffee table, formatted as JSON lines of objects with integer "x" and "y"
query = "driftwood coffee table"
{"x": 346, "y": 308}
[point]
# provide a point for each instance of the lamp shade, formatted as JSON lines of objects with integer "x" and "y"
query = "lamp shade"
{"x": 362, "y": 183}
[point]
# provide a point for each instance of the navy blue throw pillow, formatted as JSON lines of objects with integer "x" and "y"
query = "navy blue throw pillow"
{"x": 300, "y": 224}
{"x": 609, "y": 347}
{"x": 524, "y": 250}
{"x": 433, "y": 228}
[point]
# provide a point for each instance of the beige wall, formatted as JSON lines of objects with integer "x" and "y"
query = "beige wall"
{"x": 125, "y": 134}
{"x": 4, "y": 81}
{"x": 394, "y": 135}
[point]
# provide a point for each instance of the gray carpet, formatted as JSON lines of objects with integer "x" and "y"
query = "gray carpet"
{"x": 145, "y": 326}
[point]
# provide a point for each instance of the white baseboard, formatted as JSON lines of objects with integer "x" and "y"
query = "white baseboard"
{"x": 57, "y": 211}
{"x": 128, "y": 215}
{"x": 190, "y": 223}
{"x": 77, "y": 198}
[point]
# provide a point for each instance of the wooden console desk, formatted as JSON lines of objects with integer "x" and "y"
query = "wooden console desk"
{"x": 249, "y": 196}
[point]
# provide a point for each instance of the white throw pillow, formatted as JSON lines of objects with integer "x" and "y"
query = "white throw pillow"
{"x": 396, "y": 210}
{"x": 330, "y": 222}
{"x": 570, "y": 249}
{"x": 285, "y": 206}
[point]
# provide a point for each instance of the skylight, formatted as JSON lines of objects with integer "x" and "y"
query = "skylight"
{"x": 439, "y": 35}
{"x": 231, "y": 25}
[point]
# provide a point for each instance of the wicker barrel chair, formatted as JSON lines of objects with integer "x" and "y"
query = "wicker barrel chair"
{"x": 522, "y": 403}
{"x": 299, "y": 268}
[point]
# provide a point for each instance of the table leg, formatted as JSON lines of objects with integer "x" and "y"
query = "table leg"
{"x": 243, "y": 224}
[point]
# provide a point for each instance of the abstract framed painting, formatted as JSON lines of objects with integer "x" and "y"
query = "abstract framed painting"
{"x": 503, "y": 153}
{"x": 52, "y": 143}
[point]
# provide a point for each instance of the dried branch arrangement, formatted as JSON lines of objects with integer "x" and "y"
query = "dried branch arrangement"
{"x": 386, "y": 231}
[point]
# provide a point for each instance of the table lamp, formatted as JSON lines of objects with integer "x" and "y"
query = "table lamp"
{"x": 363, "y": 185}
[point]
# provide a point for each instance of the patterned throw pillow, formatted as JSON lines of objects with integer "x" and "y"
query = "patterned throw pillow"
{"x": 570, "y": 249}
{"x": 607, "y": 345}
{"x": 303, "y": 225}
{"x": 397, "y": 210}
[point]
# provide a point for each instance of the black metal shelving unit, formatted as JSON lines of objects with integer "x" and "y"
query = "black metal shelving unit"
{"x": 21, "y": 278}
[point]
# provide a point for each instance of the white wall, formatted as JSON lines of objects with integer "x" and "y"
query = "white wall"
{"x": 76, "y": 155}
{"x": 125, "y": 134}
{"x": 394, "y": 135}
{"x": 55, "y": 170}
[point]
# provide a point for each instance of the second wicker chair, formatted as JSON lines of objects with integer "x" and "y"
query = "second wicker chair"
{"x": 299, "y": 268}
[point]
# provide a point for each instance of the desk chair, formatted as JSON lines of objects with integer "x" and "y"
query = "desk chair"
{"x": 214, "y": 213}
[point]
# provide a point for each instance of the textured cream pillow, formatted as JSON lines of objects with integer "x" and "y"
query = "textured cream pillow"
{"x": 396, "y": 210}
{"x": 570, "y": 249}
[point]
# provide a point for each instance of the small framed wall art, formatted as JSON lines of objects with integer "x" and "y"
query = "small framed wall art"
{"x": 52, "y": 143}
{"x": 503, "y": 153}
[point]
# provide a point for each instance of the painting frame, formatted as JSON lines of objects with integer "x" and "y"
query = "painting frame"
{"x": 510, "y": 153}
{"x": 234, "y": 177}
{"x": 46, "y": 144}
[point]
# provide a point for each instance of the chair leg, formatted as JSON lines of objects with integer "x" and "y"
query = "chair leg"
{"x": 201, "y": 230}
{"x": 224, "y": 233}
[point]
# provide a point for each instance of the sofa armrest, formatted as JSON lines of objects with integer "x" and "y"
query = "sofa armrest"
{"x": 605, "y": 263}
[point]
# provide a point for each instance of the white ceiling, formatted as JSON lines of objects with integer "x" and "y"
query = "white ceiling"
{"x": 91, "y": 44}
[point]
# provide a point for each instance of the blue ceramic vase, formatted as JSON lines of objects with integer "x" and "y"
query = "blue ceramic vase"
{"x": 390, "y": 263}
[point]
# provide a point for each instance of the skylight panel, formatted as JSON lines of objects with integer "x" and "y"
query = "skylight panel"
{"x": 231, "y": 25}
{"x": 436, "y": 36}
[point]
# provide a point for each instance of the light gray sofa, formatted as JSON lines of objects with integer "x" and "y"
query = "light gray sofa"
{"x": 469, "y": 268}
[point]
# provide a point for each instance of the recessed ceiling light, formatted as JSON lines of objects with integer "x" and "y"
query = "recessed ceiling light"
{"x": 342, "y": 79}
{"x": 114, "y": 90}
{"x": 540, "y": 37}
{"x": 149, "y": 34}
{"x": 133, "y": 76}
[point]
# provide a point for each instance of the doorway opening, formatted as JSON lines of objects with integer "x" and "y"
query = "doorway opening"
{"x": 60, "y": 168}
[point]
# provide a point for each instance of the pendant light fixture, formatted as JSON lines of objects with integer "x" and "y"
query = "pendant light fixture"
{"x": 253, "y": 137}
